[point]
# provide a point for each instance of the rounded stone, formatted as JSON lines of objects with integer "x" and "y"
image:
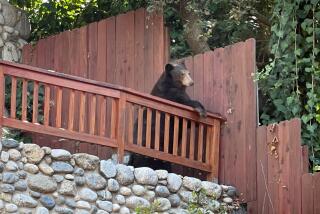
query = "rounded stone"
{"x": 21, "y": 185}
{"x": 41, "y": 183}
{"x": 14, "y": 154}
{"x": 232, "y": 191}
{"x": 61, "y": 167}
{"x": 124, "y": 210}
{"x": 31, "y": 168}
{"x": 116, "y": 208}
{"x": 138, "y": 190}
{"x": 47, "y": 150}
{"x": 69, "y": 177}
{"x": 9, "y": 177}
{"x": 105, "y": 205}
{"x": 174, "y": 200}
{"x": 174, "y": 182}
{"x": 95, "y": 181}
{"x": 186, "y": 196}
{"x": 63, "y": 210}
{"x": 1, "y": 204}
{"x": 108, "y": 169}
{"x": 1, "y": 167}
{"x": 23, "y": 200}
{"x": 212, "y": 189}
{"x": 80, "y": 181}
{"x": 9, "y": 143}
{"x": 102, "y": 212}
{"x": 7, "y": 188}
{"x": 34, "y": 194}
{"x": 214, "y": 205}
{"x": 86, "y": 161}
{"x": 146, "y": 176}
{"x": 113, "y": 185}
{"x": 120, "y": 199}
{"x": 134, "y": 201}
{"x": 67, "y": 188}
{"x": 192, "y": 184}
{"x": 33, "y": 153}
{"x": 227, "y": 200}
{"x": 83, "y": 205}
{"x": 125, "y": 191}
{"x": 88, "y": 195}
{"x": 150, "y": 195}
{"x": 11, "y": 166}
{"x": 58, "y": 178}
{"x": 164, "y": 204}
{"x": 60, "y": 200}
{"x": 125, "y": 175}
{"x": 162, "y": 191}
{"x": 45, "y": 169}
{"x": 22, "y": 174}
{"x": 11, "y": 208}
{"x": 71, "y": 203}
{"x": 78, "y": 171}
{"x": 162, "y": 174}
{"x": 42, "y": 210}
{"x": 104, "y": 195}
{"x": 4, "y": 156}
{"x": 60, "y": 154}
{"x": 47, "y": 201}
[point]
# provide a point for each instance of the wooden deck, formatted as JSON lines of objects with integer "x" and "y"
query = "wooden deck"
{"x": 151, "y": 136}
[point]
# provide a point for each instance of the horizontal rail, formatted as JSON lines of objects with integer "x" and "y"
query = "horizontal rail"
{"x": 85, "y": 110}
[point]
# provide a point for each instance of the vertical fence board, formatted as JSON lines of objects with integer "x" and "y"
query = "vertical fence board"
{"x": 148, "y": 52}
{"x": 308, "y": 194}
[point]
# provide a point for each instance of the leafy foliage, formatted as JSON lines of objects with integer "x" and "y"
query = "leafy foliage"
{"x": 290, "y": 82}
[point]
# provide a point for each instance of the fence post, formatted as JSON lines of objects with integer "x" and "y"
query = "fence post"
{"x": 2, "y": 91}
{"x": 121, "y": 126}
{"x": 214, "y": 151}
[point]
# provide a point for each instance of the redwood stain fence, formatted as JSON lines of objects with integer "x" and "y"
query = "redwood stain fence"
{"x": 283, "y": 182}
{"x": 201, "y": 153}
{"x": 130, "y": 50}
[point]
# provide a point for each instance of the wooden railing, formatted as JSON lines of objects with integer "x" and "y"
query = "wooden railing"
{"x": 108, "y": 115}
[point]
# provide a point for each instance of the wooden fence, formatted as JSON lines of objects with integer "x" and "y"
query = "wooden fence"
{"x": 283, "y": 182}
{"x": 133, "y": 54}
{"x": 201, "y": 153}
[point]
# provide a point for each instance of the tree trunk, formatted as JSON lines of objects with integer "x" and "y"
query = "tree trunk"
{"x": 192, "y": 29}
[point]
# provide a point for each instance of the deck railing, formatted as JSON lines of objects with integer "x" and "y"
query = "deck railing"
{"x": 109, "y": 115}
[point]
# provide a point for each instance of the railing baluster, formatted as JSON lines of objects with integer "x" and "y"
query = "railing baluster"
{"x": 46, "y": 109}
{"x": 92, "y": 113}
{"x": 2, "y": 98}
{"x": 121, "y": 126}
{"x": 156, "y": 132}
{"x": 148, "y": 128}
{"x": 200, "y": 142}
{"x": 82, "y": 111}
{"x": 208, "y": 144}
{"x": 214, "y": 150}
{"x": 140, "y": 125}
{"x": 175, "y": 135}
{"x": 184, "y": 138}
{"x": 35, "y": 102}
{"x": 24, "y": 106}
{"x": 130, "y": 123}
{"x": 58, "y": 106}
{"x": 166, "y": 133}
{"x": 192, "y": 136}
{"x": 13, "y": 97}
{"x": 102, "y": 124}
{"x": 113, "y": 118}
{"x": 71, "y": 111}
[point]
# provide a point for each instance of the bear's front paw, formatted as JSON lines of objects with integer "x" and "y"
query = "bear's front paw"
{"x": 202, "y": 112}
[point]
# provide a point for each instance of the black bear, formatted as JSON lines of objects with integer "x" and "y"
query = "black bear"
{"x": 171, "y": 86}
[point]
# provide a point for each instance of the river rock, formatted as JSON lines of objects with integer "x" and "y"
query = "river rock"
{"x": 86, "y": 161}
{"x": 42, "y": 183}
{"x": 33, "y": 153}
{"x": 146, "y": 176}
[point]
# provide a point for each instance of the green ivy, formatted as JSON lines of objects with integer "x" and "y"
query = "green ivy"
{"x": 291, "y": 81}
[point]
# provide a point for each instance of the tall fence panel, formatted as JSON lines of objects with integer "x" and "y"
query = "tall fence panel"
{"x": 133, "y": 55}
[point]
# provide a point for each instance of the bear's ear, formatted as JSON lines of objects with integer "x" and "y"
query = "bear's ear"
{"x": 169, "y": 67}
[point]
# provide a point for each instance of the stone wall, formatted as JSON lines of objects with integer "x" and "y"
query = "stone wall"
{"x": 14, "y": 31}
{"x": 43, "y": 180}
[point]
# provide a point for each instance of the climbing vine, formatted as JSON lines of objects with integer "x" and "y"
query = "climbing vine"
{"x": 290, "y": 83}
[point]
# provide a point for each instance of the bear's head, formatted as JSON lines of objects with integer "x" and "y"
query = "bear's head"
{"x": 179, "y": 74}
